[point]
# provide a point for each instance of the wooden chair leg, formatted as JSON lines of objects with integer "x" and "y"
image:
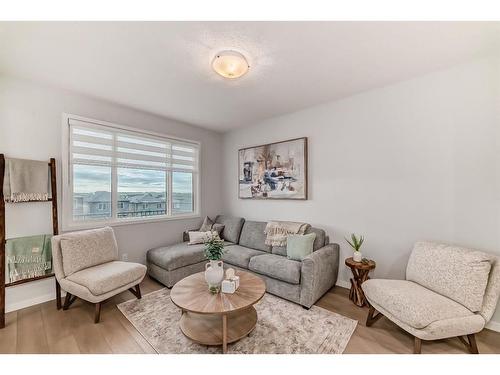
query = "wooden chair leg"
{"x": 97, "y": 316}
{"x": 470, "y": 343}
{"x": 58, "y": 295}
{"x": 417, "y": 348}
{"x": 68, "y": 301}
{"x": 370, "y": 319}
{"x": 136, "y": 292}
{"x": 473, "y": 344}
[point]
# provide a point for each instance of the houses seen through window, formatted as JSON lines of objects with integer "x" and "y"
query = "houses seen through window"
{"x": 91, "y": 190}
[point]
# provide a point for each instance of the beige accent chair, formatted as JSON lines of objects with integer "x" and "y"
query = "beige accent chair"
{"x": 86, "y": 266}
{"x": 449, "y": 291}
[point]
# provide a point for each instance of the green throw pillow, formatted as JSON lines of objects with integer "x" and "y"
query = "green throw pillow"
{"x": 299, "y": 246}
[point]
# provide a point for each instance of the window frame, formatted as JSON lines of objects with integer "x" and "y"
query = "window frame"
{"x": 67, "y": 192}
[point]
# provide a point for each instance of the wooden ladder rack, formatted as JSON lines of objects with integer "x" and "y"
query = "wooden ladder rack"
{"x": 55, "y": 231}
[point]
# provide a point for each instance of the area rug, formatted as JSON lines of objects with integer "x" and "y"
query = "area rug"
{"x": 282, "y": 328}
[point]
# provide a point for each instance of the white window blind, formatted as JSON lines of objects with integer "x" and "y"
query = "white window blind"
{"x": 107, "y": 146}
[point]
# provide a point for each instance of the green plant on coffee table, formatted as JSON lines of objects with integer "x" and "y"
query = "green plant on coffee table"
{"x": 214, "y": 247}
{"x": 355, "y": 241}
{"x": 214, "y": 289}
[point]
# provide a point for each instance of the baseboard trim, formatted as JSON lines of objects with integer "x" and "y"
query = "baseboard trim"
{"x": 31, "y": 302}
{"x": 343, "y": 284}
{"x": 494, "y": 326}
{"x": 50, "y": 297}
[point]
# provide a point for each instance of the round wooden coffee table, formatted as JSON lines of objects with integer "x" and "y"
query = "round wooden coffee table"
{"x": 217, "y": 319}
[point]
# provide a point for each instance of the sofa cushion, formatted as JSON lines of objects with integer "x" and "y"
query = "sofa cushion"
{"x": 87, "y": 248}
{"x": 457, "y": 273}
{"x": 232, "y": 227}
{"x": 240, "y": 256}
{"x": 176, "y": 256}
{"x": 319, "y": 242}
{"x": 219, "y": 228}
{"x": 253, "y": 236}
{"x": 277, "y": 267}
{"x": 412, "y": 303}
{"x": 279, "y": 250}
{"x": 107, "y": 277}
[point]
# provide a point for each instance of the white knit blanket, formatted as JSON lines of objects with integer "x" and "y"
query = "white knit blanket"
{"x": 277, "y": 231}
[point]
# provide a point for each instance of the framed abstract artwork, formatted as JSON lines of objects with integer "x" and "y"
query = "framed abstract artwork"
{"x": 274, "y": 171}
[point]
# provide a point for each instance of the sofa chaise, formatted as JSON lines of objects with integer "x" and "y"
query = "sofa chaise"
{"x": 302, "y": 282}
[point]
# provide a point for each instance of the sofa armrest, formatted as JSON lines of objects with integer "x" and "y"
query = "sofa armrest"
{"x": 319, "y": 273}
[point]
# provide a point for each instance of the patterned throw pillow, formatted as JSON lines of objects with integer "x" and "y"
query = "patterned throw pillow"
{"x": 207, "y": 224}
{"x": 196, "y": 238}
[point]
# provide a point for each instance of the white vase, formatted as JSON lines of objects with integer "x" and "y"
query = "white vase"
{"x": 357, "y": 256}
{"x": 214, "y": 274}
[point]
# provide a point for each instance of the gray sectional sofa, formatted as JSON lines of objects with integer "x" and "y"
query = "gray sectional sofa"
{"x": 302, "y": 282}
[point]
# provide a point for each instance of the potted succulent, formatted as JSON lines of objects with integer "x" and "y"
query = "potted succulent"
{"x": 214, "y": 271}
{"x": 356, "y": 243}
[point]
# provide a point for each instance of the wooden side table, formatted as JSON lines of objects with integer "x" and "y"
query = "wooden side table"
{"x": 360, "y": 272}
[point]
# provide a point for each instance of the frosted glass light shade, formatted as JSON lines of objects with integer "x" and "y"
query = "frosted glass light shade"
{"x": 230, "y": 64}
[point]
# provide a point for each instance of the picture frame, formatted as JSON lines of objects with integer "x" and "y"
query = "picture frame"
{"x": 274, "y": 171}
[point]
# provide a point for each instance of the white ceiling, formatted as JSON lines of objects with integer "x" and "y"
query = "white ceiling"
{"x": 164, "y": 67}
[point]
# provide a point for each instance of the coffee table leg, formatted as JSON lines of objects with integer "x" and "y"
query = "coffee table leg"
{"x": 224, "y": 334}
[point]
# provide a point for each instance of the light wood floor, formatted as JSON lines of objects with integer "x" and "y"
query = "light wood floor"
{"x": 43, "y": 329}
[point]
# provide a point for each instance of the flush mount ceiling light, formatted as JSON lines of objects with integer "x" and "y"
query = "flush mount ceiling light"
{"x": 230, "y": 64}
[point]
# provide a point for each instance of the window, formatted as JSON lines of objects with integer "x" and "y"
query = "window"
{"x": 182, "y": 192}
{"x": 117, "y": 174}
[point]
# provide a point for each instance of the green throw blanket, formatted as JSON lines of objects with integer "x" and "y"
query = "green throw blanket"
{"x": 28, "y": 257}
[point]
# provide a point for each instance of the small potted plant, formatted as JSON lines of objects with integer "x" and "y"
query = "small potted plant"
{"x": 356, "y": 245}
{"x": 214, "y": 271}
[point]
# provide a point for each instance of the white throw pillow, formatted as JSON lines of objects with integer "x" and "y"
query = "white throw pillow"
{"x": 201, "y": 237}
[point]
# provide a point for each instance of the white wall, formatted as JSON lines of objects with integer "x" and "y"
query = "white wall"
{"x": 415, "y": 160}
{"x": 30, "y": 127}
